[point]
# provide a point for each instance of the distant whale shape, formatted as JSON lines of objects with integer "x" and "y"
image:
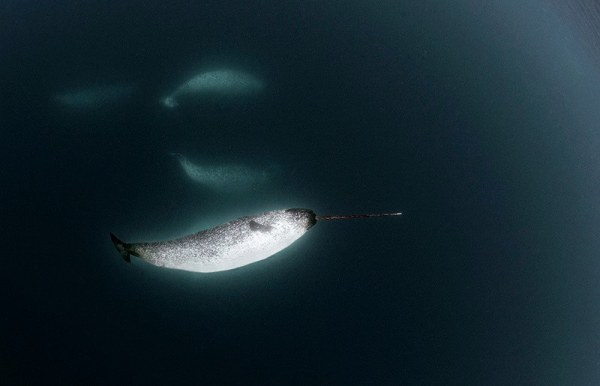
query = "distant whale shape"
{"x": 216, "y": 84}
{"x": 226, "y": 177}
{"x": 94, "y": 97}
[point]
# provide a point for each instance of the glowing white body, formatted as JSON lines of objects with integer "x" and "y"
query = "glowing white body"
{"x": 220, "y": 82}
{"x": 225, "y": 177}
{"x": 234, "y": 244}
{"x": 94, "y": 97}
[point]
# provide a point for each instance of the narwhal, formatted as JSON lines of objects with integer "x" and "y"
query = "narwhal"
{"x": 216, "y": 83}
{"x": 95, "y": 97}
{"x": 231, "y": 245}
{"x": 226, "y": 177}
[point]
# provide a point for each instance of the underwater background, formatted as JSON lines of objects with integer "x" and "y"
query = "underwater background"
{"x": 477, "y": 120}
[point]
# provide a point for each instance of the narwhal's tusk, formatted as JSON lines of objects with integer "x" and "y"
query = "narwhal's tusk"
{"x": 353, "y": 216}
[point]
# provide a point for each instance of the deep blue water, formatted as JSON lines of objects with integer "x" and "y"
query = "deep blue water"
{"x": 479, "y": 122}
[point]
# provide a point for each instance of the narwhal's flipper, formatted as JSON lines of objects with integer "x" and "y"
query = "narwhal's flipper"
{"x": 256, "y": 227}
{"x": 123, "y": 248}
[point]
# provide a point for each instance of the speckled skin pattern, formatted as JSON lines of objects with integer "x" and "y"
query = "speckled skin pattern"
{"x": 230, "y": 245}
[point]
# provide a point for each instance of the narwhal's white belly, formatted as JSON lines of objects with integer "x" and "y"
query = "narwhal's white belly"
{"x": 242, "y": 254}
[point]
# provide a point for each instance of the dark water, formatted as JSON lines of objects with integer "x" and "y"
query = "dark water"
{"x": 479, "y": 122}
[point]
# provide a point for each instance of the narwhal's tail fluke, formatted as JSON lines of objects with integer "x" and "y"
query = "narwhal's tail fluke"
{"x": 123, "y": 248}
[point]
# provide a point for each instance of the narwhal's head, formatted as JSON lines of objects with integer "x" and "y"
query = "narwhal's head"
{"x": 169, "y": 102}
{"x": 305, "y": 218}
